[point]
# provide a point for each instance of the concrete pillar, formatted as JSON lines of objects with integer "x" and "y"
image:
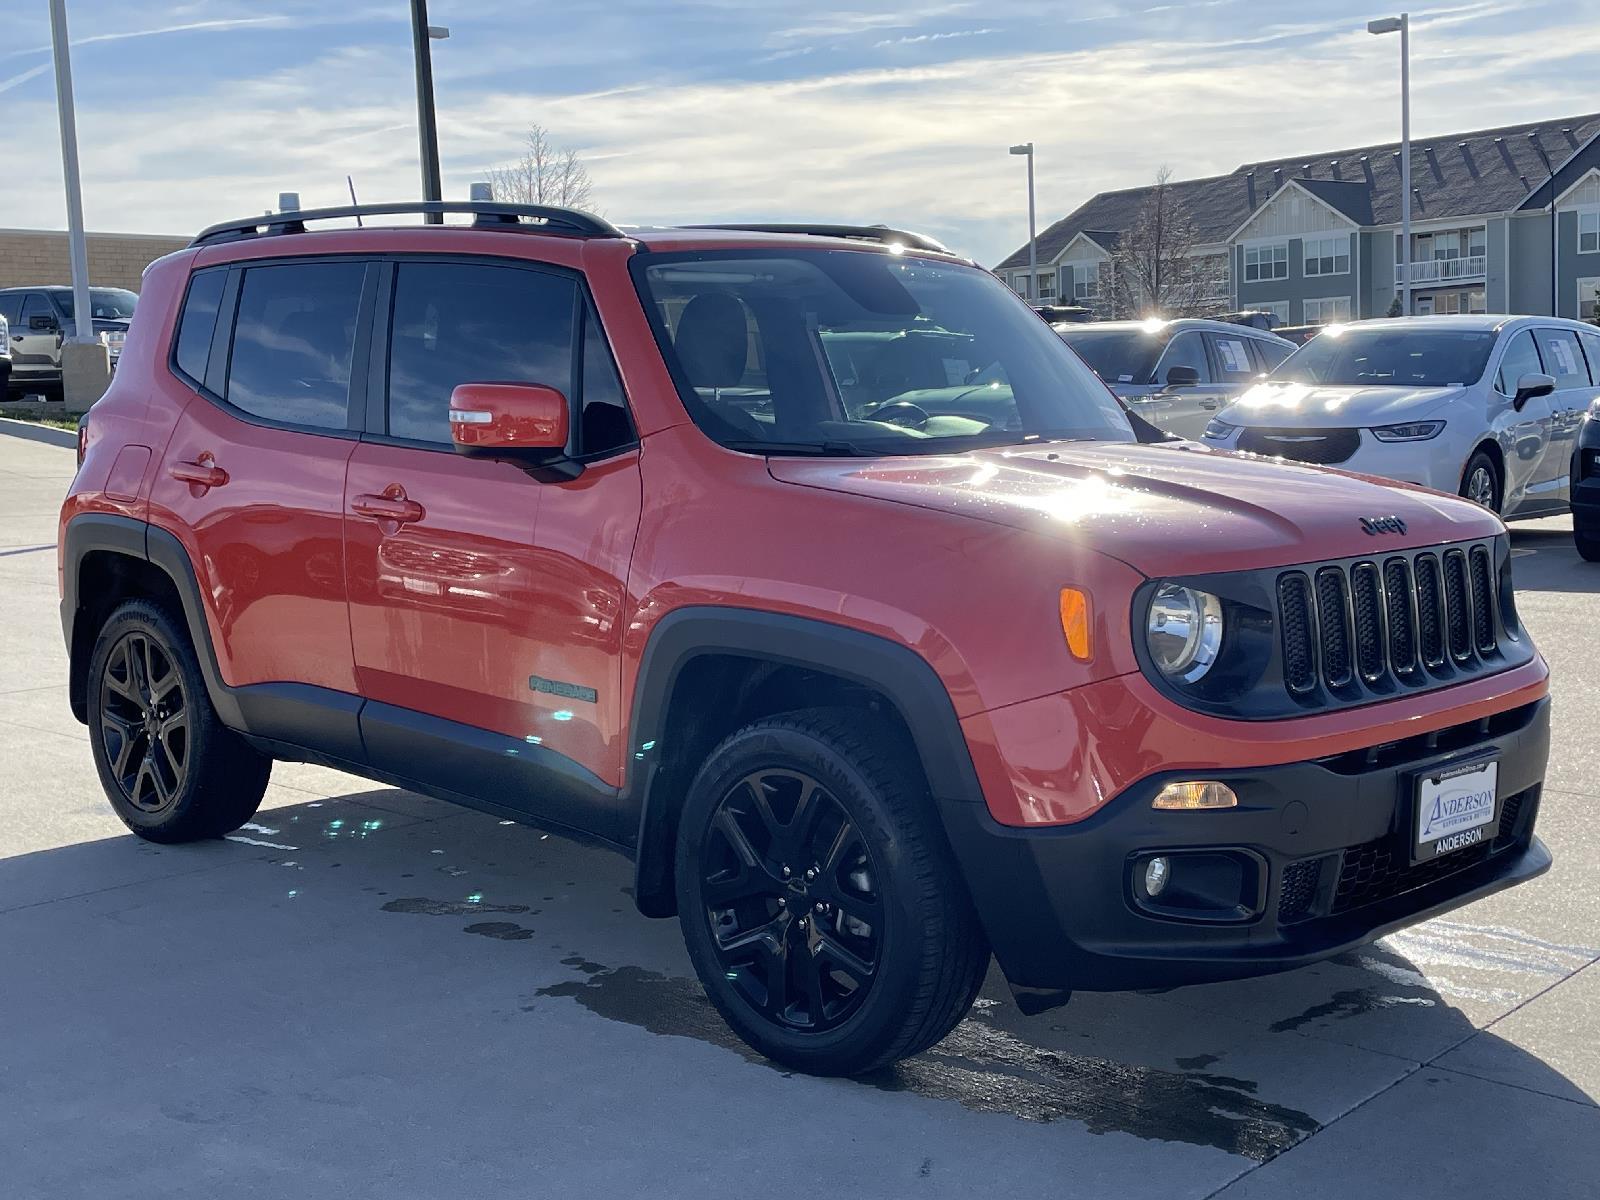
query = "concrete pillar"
{"x": 85, "y": 374}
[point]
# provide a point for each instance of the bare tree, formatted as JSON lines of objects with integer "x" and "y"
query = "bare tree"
{"x": 544, "y": 174}
{"x": 1158, "y": 271}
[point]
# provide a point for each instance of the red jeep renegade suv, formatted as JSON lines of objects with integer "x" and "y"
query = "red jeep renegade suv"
{"x": 810, "y": 569}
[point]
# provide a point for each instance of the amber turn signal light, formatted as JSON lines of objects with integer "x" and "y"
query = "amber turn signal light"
{"x": 1075, "y": 621}
{"x": 1189, "y": 796}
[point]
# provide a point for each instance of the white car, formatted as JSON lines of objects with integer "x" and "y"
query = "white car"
{"x": 1487, "y": 407}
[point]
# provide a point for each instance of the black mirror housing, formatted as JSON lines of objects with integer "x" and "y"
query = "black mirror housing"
{"x": 1182, "y": 376}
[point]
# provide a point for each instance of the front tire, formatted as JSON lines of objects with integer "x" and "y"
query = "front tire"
{"x": 172, "y": 771}
{"x": 1481, "y": 482}
{"x": 821, "y": 906}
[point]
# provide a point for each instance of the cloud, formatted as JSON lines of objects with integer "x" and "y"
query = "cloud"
{"x": 17, "y": 80}
{"x": 920, "y": 145}
{"x": 186, "y": 27}
{"x": 934, "y": 37}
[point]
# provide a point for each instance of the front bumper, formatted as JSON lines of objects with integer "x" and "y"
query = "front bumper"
{"x": 1434, "y": 463}
{"x": 1586, "y": 480}
{"x": 1330, "y": 843}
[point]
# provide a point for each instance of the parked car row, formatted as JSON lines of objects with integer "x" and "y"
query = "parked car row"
{"x": 38, "y": 319}
{"x": 1488, "y": 407}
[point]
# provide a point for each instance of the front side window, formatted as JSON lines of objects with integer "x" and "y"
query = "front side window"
{"x": 1563, "y": 357}
{"x": 1353, "y": 356}
{"x": 604, "y": 422}
{"x": 1327, "y": 311}
{"x": 1521, "y": 358}
{"x": 35, "y": 305}
{"x": 856, "y": 352}
{"x": 1185, "y": 350}
{"x": 1270, "y": 261}
{"x": 1328, "y": 255}
{"x": 198, "y": 323}
{"x": 460, "y": 323}
{"x": 11, "y": 308}
{"x": 1589, "y": 231}
{"x": 292, "y": 342}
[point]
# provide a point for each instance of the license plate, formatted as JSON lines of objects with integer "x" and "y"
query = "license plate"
{"x": 1456, "y": 808}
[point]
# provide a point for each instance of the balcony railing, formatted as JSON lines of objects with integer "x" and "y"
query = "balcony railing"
{"x": 1440, "y": 270}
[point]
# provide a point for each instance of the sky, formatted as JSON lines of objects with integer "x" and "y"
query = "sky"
{"x": 701, "y": 110}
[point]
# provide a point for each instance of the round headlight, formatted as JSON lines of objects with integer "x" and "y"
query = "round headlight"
{"x": 1184, "y": 631}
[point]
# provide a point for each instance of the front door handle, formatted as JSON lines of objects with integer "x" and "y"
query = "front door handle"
{"x": 202, "y": 473}
{"x": 1210, "y": 404}
{"x": 391, "y": 506}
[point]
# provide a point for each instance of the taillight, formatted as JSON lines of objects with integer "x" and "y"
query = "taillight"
{"x": 83, "y": 437}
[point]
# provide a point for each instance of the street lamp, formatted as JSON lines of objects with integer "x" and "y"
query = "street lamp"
{"x": 77, "y": 245}
{"x": 1402, "y": 26}
{"x": 1033, "y": 244}
{"x": 427, "y": 128}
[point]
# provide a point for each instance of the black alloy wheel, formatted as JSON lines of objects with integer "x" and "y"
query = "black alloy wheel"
{"x": 144, "y": 722}
{"x": 789, "y": 893}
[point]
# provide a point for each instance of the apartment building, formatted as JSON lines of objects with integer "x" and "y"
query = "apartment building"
{"x": 1503, "y": 220}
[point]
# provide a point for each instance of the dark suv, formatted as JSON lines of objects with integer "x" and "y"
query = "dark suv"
{"x": 811, "y": 570}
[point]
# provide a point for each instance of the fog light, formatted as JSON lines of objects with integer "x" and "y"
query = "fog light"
{"x": 1188, "y": 796}
{"x": 1155, "y": 876}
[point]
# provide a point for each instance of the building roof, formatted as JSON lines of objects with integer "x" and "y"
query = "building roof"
{"x": 1457, "y": 175}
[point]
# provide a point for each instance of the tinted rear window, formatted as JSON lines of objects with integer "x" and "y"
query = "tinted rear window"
{"x": 198, "y": 323}
{"x": 292, "y": 342}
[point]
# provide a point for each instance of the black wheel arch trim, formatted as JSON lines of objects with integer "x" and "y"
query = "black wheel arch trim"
{"x": 899, "y": 673}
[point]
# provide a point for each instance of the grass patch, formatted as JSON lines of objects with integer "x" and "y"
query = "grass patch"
{"x": 54, "y": 422}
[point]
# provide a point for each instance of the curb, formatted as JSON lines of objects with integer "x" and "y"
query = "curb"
{"x": 32, "y": 432}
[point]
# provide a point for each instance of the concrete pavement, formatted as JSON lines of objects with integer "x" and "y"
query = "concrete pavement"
{"x": 370, "y": 993}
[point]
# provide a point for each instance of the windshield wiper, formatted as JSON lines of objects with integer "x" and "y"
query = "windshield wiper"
{"x": 805, "y": 449}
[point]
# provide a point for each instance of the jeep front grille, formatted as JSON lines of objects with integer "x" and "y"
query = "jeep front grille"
{"x": 1410, "y": 619}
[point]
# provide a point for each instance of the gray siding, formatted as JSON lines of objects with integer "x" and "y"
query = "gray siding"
{"x": 1497, "y": 289}
{"x": 1377, "y": 272}
{"x": 1298, "y": 287}
{"x": 1529, "y": 268}
{"x": 1574, "y": 266}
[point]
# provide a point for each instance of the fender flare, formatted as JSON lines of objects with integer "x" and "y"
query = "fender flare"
{"x": 90, "y": 533}
{"x": 899, "y": 673}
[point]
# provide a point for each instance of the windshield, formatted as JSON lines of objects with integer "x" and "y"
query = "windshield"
{"x": 1389, "y": 357}
{"x": 852, "y": 352}
{"x": 1117, "y": 355}
{"x": 105, "y": 304}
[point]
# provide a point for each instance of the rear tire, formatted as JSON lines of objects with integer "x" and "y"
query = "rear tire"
{"x": 1481, "y": 482}
{"x": 869, "y": 949}
{"x": 172, "y": 771}
{"x": 1588, "y": 543}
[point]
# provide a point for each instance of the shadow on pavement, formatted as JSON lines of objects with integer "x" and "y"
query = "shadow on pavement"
{"x": 389, "y": 956}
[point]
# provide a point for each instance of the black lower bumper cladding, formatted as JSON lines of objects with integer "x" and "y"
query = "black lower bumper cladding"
{"x": 1324, "y": 850}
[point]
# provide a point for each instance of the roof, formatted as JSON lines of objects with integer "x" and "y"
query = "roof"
{"x": 1455, "y": 175}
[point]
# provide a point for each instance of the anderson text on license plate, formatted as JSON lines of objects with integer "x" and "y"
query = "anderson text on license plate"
{"x": 1456, "y": 808}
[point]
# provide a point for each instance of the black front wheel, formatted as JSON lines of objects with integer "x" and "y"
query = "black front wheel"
{"x": 171, "y": 770}
{"x": 820, "y": 905}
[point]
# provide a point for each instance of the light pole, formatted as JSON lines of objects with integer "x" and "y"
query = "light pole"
{"x": 1402, "y": 26}
{"x": 427, "y": 128}
{"x": 77, "y": 246}
{"x": 1033, "y": 243}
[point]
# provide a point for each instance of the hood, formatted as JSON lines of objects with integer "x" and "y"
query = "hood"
{"x": 1328, "y": 406}
{"x": 1172, "y": 508}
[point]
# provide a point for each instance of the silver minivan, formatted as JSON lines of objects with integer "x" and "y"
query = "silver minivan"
{"x": 1176, "y": 374}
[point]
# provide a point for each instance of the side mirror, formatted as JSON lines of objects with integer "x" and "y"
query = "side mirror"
{"x": 1181, "y": 376}
{"x": 41, "y": 323}
{"x": 522, "y": 423}
{"x": 1530, "y": 385}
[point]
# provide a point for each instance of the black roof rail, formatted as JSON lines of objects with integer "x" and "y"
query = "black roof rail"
{"x": 866, "y": 233}
{"x": 488, "y": 214}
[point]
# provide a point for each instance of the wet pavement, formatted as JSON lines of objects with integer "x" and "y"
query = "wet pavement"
{"x": 369, "y": 993}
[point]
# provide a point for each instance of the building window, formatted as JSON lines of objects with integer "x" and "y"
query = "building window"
{"x": 1278, "y": 308}
{"x": 1328, "y": 255}
{"x": 1047, "y": 287}
{"x": 1086, "y": 281}
{"x": 1327, "y": 311}
{"x": 1589, "y": 299}
{"x": 1589, "y": 231}
{"x": 1019, "y": 284}
{"x": 1266, "y": 262}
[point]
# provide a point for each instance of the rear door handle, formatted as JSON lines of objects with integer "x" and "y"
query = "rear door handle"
{"x": 388, "y": 507}
{"x": 202, "y": 473}
{"x": 1210, "y": 404}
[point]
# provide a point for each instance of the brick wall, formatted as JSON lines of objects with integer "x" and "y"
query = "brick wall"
{"x": 40, "y": 256}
